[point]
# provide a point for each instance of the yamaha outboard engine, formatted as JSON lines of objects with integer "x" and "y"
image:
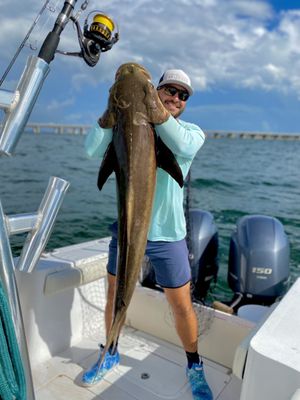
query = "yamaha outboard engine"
{"x": 202, "y": 241}
{"x": 258, "y": 270}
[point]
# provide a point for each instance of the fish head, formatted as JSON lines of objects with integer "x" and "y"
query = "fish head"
{"x": 133, "y": 97}
{"x": 132, "y": 68}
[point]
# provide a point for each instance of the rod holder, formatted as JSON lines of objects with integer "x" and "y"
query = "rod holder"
{"x": 28, "y": 89}
{"x": 8, "y": 99}
{"x": 39, "y": 235}
{"x": 39, "y": 225}
{"x": 21, "y": 223}
{"x": 8, "y": 279}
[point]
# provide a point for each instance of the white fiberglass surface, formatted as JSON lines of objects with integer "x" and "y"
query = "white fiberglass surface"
{"x": 150, "y": 369}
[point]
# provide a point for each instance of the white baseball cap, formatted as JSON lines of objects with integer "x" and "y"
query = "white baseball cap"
{"x": 178, "y": 77}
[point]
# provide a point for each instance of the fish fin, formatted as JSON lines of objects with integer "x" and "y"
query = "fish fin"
{"x": 107, "y": 166}
{"x": 108, "y": 119}
{"x": 167, "y": 161}
{"x": 114, "y": 333}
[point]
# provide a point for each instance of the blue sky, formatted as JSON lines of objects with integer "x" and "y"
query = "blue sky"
{"x": 243, "y": 57}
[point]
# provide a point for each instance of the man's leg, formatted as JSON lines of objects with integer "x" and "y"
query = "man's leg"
{"x": 109, "y": 308}
{"x": 96, "y": 373}
{"x": 186, "y": 322}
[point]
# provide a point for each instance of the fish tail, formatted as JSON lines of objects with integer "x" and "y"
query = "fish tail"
{"x": 113, "y": 335}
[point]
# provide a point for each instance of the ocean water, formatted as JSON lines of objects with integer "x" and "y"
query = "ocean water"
{"x": 230, "y": 178}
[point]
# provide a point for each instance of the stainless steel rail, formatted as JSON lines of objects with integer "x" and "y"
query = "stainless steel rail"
{"x": 39, "y": 235}
{"x": 17, "y": 107}
{"x": 27, "y": 92}
{"x": 8, "y": 100}
{"x": 7, "y": 277}
{"x": 39, "y": 225}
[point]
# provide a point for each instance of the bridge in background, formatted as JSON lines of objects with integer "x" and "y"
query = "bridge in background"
{"x": 60, "y": 129}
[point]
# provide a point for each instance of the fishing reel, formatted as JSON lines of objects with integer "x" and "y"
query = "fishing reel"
{"x": 97, "y": 37}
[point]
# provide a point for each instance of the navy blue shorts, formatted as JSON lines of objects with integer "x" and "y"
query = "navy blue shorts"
{"x": 169, "y": 259}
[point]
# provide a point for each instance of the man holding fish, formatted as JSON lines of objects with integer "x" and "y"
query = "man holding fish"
{"x": 142, "y": 140}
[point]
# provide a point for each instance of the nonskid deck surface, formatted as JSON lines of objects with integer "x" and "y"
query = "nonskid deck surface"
{"x": 150, "y": 369}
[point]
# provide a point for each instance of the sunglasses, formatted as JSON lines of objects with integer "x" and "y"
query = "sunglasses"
{"x": 171, "y": 91}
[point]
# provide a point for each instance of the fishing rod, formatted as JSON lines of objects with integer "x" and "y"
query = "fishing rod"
{"x": 23, "y": 42}
{"x": 97, "y": 37}
{"x": 202, "y": 243}
{"x": 189, "y": 241}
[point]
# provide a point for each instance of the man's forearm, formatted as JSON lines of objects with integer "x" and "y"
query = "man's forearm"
{"x": 97, "y": 141}
{"x": 182, "y": 140}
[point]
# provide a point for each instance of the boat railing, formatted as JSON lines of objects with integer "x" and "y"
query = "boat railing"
{"x": 39, "y": 225}
{"x": 17, "y": 106}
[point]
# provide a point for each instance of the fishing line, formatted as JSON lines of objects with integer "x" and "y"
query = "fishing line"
{"x": 188, "y": 228}
{"x": 23, "y": 42}
{"x": 82, "y": 8}
{"x": 187, "y": 213}
{"x": 39, "y": 34}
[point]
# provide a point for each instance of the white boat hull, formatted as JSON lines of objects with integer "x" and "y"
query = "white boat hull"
{"x": 63, "y": 303}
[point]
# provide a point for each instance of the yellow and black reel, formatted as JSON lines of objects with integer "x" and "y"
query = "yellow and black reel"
{"x": 103, "y": 30}
{"x": 103, "y": 26}
{"x": 98, "y": 36}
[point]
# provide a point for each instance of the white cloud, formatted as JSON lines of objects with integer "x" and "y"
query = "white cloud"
{"x": 58, "y": 105}
{"x": 276, "y": 72}
{"x": 233, "y": 42}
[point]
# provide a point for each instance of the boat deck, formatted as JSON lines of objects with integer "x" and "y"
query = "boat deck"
{"x": 150, "y": 369}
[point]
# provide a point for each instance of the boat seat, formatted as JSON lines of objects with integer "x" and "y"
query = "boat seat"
{"x": 73, "y": 266}
{"x": 258, "y": 314}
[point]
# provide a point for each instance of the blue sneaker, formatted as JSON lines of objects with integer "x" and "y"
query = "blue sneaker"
{"x": 95, "y": 374}
{"x": 199, "y": 386}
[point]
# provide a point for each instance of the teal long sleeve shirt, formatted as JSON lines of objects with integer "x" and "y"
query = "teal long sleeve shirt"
{"x": 184, "y": 140}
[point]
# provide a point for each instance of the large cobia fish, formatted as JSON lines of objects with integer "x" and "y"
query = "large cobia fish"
{"x": 134, "y": 154}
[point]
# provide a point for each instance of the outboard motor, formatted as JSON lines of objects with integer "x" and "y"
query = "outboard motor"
{"x": 202, "y": 241}
{"x": 258, "y": 270}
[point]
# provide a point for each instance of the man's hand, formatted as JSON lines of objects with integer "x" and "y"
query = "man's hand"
{"x": 157, "y": 112}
